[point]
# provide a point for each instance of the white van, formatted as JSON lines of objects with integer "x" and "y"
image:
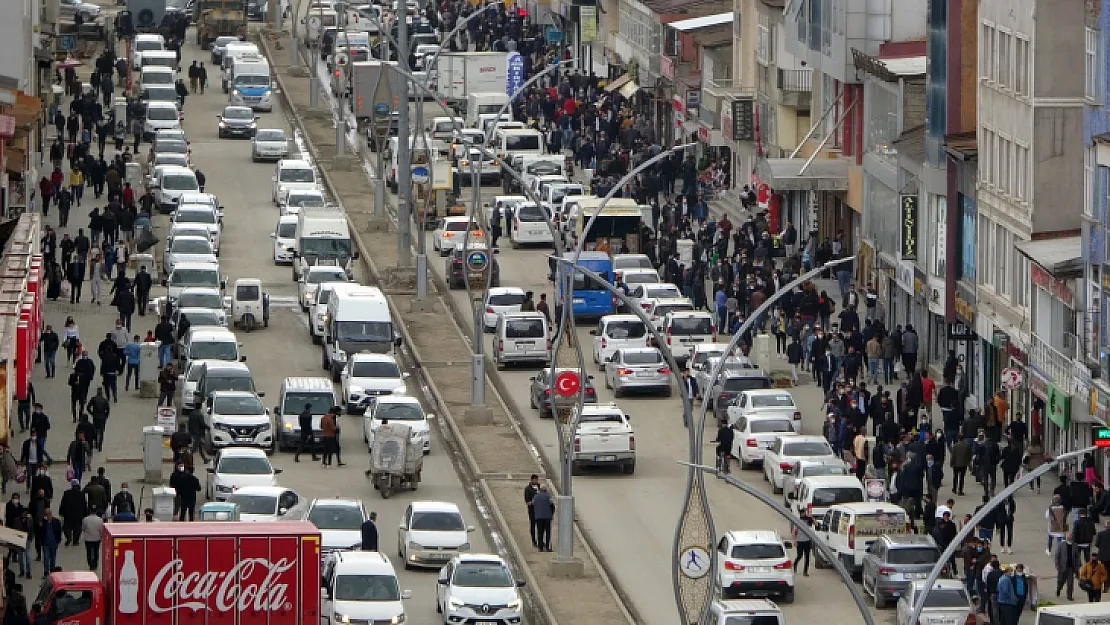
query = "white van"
{"x": 156, "y": 76}
{"x": 616, "y": 332}
{"x": 818, "y": 493}
{"x": 486, "y": 104}
{"x": 529, "y": 226}
{"x": 393, "y": 152}
{"x": 1074, "y": 614}
{"x": 848, "y": 529}
{"x": 521, "y": 337}
{"x": 295, "y": 394}
{"x": 231, "y": 52}
{"x": 159, "y": 58}
{"x": 145, "y": 42}
{"x": 318, "y": 312}
{"x": 160, "y": 116}
{"x": 358, "y": 321}
{"x": 527, "y": 142}
{"x": 686, "y": 329}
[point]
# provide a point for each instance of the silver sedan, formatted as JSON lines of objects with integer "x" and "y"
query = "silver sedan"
{"x": 638, "y": 369}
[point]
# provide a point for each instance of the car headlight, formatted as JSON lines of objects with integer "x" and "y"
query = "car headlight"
{"x": 342, "y": 618}
{"x": 265, "y": 427}
{"x": 400, "y": 618}
{"x": 223, "y": 489}
{"x": 322, "y": 317}
{"x": 223, "y": 124}
{"x": 254, "y": 125}
{"x": 236, "y": 92}
{"x": 288, "y": 427}
{"x": 223, "y": 427}
{"x": 514, "y": 605}
{"x": 340, "y": 354}
{"x": 415, "y": 546}
{"x": 454, "y": 603}
{"x": 356, "y": 390}
{"x": 464, "y": 547}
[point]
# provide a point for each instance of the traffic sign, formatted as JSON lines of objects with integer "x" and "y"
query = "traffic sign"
{"x": 476, "y": 260}
{"x": 381, "y": 108}
{"x": 1102, "y": 437}
{"x": 1012, "y": 378}
{"x": 567, "y": 383}
{"x": 421, "y": 175}
{"x": 67, "y": 42}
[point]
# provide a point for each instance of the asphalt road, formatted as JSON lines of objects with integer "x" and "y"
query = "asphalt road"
{"x": 281, "y": 350}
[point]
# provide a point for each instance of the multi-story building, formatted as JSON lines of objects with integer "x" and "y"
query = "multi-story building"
{"x": 1032, "y": 185}
{"x": 24, "y": 87}
{"x": 784, "y": 86}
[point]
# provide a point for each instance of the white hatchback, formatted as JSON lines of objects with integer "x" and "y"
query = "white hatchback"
{"x": 398, "y": 408}
{"x": 452, "y": 232}
{"x": 292, "y": 174}
{"x": 235, "y": 467}
{"x": 188, "y": 249}
{"x": 752, "y": 435}
{"x": 431, "y": 533}
{"x": 368, "y": 376}
{"x": 285, "y": 239}
{"x": 500, "y": 300}
{"x": 616, "y": 332}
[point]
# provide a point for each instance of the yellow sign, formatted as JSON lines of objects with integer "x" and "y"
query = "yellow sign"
{"x": 587, "y": 25}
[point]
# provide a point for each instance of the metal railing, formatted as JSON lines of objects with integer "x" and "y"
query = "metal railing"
{"x": 1058, "y": 365}
{"x": 796, "y": 80}
{"x": 726, "y": 86}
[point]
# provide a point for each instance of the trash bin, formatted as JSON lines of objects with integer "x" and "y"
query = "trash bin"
{"x": 162, "y": 497}
{"x": 153, "y": 438}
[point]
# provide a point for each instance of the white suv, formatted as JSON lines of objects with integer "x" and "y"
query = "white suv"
{"x": 478, "y": 588}
{"x": 362, "y": 587}
{"x": 238, "y": 418}
{"x": 755, "y": 562}
{"x": 604, "y": 437}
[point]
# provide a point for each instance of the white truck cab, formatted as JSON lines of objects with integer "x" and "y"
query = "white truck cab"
{"x": 604, "y": 437}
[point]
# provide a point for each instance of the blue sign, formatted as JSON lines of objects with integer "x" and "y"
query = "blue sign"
{"x": 476, "y": 260}
{"x": 381, "y": 108}
{"x": 515, "y": 80}
{"x": 420, "y": 175}
{"x": 553, "y": 35}
{"x": 67, "y": 42}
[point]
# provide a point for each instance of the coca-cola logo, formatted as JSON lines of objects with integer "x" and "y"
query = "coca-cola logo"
{"x": 237, "y": 589}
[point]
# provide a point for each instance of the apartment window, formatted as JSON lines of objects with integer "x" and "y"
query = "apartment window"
{"x": 1021, "y": 66}
{"x": 1090, "y": 64}
{"x": 986, "y": 251}
{"x": 1002, "y": 249}
{"x": 986, "y": 156}
{"x": 1004, "y": 59}
{"x": 1021, "y": 280}
{"x": 764, "y": 47}
{"x": 1089, "y": 160}
{"x": 986, "y": 42}
{"x": 1003, "y": 178}
{"x": 1021, "y": 171}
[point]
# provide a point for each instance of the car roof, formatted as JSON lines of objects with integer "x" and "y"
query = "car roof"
{"x": 829, "y": 481}
{"x": 768, "y": 391}
{"x": 371, "y": 357}
{"x": 293, "y": 192}
{"x": 435, "y": 506}
{"x": 670, "y": 301}
{"x": 640, "y": 350}
{"x": 211, "y": 332}
{"x": 242, "y": 452}
{"x": 804, "y": 438}
{"x": 730, "y": 606}
{"x": 160, "y": 104}
{"x": 864, "y": 507}
{"x": 209, "y": 290}
{"x": 481, "y": 557}
{"x": 898, "y": 541}
{"x": 524, "y": 314}
{"x": 636, "y": 270}
{"x": 608, "y": 318}
{"x": 325, "y": 269}
{"x": 192, "y": 237}
{"x": 304, "y": 383}
{"x": 287, "y": 219}
{"x": 234, "y": 394}
{"x": 174, "y": 169}
{"x": 336, "y": 502}
{"x": 226, "y": 366}
{"x": 766, "y": 417}
{"x": 754, "y": 536}
{"x": 506, "y": 290}
{"x": 365, "y": 561}
{"x": 294, "y": 163}
{"x": 395, "y": 398}
{"x": 196, "y": 265}
{"x": 261, "y": 490}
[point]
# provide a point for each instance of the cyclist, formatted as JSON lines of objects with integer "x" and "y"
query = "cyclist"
{"x": 724, "y": 446}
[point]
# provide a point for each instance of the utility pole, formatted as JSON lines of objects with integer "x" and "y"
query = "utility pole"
{"x": 314, "y": 84}
{"x": 294, "y": 51}
{"x": 404, "y": 155}
{"x": 343, "y": 73}
{"x": 421, "y": 251}
{"x": 477, "y": 356}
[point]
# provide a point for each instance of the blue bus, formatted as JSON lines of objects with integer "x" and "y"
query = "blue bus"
{"x": 589, "y": 299}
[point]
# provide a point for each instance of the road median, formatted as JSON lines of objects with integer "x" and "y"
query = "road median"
{"x": 495, "y": 455}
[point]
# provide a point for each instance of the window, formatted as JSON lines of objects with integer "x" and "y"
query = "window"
{"x": 1021, "y": 280}
{"x": 985, "y": 51}
{"x": 1002, "y": 251}
{"x": 985, "y": 248}
{"x": 1090, "y": 64}
{"x": 1089, "y": 160}
{"x": 1003, "y": 159}
{"x": 1021, "y": 172}
{"x": 1003, "y": 77}
{"x": 882, "y": 109}
{"x": 764, "y": 47}
{"x": 968, "y": 238}
{"x": 1021, "y": 66}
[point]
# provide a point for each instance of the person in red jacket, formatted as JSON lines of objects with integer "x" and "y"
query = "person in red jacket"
{"x": 46, "y": 190}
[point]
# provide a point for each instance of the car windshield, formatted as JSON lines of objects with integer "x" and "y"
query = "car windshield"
{"x": 157, "y": 78}
{"x": 807, "y": 449}
{"x": 912, "y": 555}
{"x": 161, "y": 113}
{"x": 530, "y": 213}
{"x": 230, "y": 383}
{"x": 162, "y": 94}
{"x": 524, "y": 328}
{"x": 772, "y": 401}
{"x": 460, "y": 226}
{"x": 662, "y": 309}
{"x": 248, "y": 292}
{"x": 437, "y": 522}
{"x": 254, "y": 504}
{"x": 558, "y": 193}
{"x": 326, "y": 248}
{"x": 270, "y": 135}
{"x": 327, "y": 275}
{"x": 294, "y": 403}
{"x": 643, "y": 358}
{"x": 303, "y": 200}
{"x": 297, "y": 174}
{"x": 364, "y": 331}
{"x": 399, "y": 412}
{"x": 223, "y": 41}
{"x": 663, "y": 292}
{"x": 214, "y": 350}
{"x": 180, "y": 182}
{"x": 947, "y": 598}
{"x": 195, "y": 277}
{"x": 626, "y": 329}
{"x": 544, "y": 168}
{"x": 204, "y": 318}
{"x": 482, "y": 575}
{"x": 757, "y": 552}
{"x": 287, "y": 230}
{"x": 171, "y": 159}
{"x": 443, "y": 126}
{"x": 240, "y": 465}
{"x": 506, "y": 299}
{"x": 601, "y": 417}
{"x": 375, "y": 369}
{"x": 171, "y": 146}
{"x": 686, "y": 326}
{"x": 833, "y": 496}
{"x": 518, "y": 142}
{"x": 205, "y": 217}
{"x": 752, "y": 619}
{"x": 200, "y": 300}
{"x": 336, "y": 517}
{"x": 644, "y": 277}
{"x": 190, "y": 246}
{"x": 237, "y": 406}
{"x": 252, "y": 80}
{"x": 734, "y": 385}
{"x": 147, "y": 46}
{"x": 814, "y": 470}
{"x": 366, "y": 588}
{"x": 238, "y": 112}
{"x": 767, "y": 426}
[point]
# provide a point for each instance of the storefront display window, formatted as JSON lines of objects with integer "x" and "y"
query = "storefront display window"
{"x": 882, "y": 211}
{"x": 968, "y": 216}
{"x": 883, "y": 108}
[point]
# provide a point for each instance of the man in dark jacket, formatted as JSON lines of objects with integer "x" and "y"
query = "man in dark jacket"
{"x": 187, "y": 489}
{"x": 304, "y": 422}
{"x": 143, "y": 283}
{"x": 100, "y": 409}
{"x": 1084, "y": 533}
{"x": 109, "y": 367}
{"x": 72, "y": 509}
{"x": 369, "y": 532}
{"x": 50, "y": 343}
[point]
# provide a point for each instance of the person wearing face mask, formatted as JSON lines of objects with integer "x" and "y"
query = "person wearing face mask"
{"x": 1093, "y": 578}
{"x": 934, "y": 475}
{"x": 30, "y": 458}
{"x": 1006, "y": 598}
{"x": 975, "y": 557}
{"x": 1067, "y": 560}
{"x": 123, "y": 503}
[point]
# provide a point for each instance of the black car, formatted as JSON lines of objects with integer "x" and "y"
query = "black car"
{"x": 238, "y": 121}
{"x": 457, "y": 272}
{"x": 539, "y": 397}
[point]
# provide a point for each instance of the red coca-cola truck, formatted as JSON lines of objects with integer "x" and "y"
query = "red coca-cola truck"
{"x": 205, "y": 573}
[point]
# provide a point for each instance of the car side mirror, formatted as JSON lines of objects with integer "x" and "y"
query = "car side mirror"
{"x": 242, "y": 359}
{"x": 282, "y": 511}
{"x": 470, "y": 528}
{"x": 520, "y": 583}
{"x": 532, "y": 379}
{"x": 277, "y": 410}
{"x": 442, "y": 581}
{"x": 790, "y": 496}
{"x": 259, "y": 393}
{"x": 276, "y": 471}
{"x": 257, "y": 117}
{"x": 788, "y": 544}
{"x": 165, "y": 283}
{"x": 273, "y": 235}
{"x": 399, "y": 341}
{"x": 210, "y": 469}
{"x": 402, "y": 527}
{"x": 406, "y": 594}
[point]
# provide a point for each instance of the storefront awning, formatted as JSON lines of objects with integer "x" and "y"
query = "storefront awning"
{"x": 1061, "y": 257}
{"x": 618, "y": 83}
{"x": 706, "y": 21}
{"x": 629, "y": 89}
{"x": 823, "y": 174}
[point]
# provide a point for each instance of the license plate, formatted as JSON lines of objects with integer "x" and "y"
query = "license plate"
{"x": 918, "y": 575}
{"x": 604, "y": 458}
{"x": 525, "y": 343}
{"x": 487, "y": 623}
{"x": 898, "y": 593}
{"x": 759, "y": 569}
{"x": 536, "y": 233}
{"x": 439, "y": 556}
{"x": 644, "y": 374}
{"x": 243, "y": 439}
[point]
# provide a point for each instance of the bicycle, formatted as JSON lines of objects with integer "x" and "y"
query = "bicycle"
{"x": 723, "y": 462}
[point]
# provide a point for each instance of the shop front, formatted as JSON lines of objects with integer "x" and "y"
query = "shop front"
{"x": 999, "y": 354}
{"x": 812, "y": 194}
{"x": 963, "y": 340}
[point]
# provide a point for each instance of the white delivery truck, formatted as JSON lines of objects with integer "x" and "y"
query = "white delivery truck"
{"x": 233, "y": 51}
{"x": 323, "y": 237}
{"x": 358, "y": 321}
{"x": 462, "y": 73}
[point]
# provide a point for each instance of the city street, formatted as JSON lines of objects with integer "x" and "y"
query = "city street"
{"x": 631, "y": 519}
{"x": 281, "y": 350}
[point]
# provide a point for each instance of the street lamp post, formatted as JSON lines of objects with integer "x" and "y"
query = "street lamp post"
{"x": 404, "y": 154}
{"x": 294, "y": 50}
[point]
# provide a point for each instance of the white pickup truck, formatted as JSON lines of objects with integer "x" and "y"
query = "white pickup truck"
{"x": 604, "y": 437}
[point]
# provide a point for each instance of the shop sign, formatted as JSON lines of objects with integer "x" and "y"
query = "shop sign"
{"x": 1058, "y": 406}
{"x": 1015, "y": 352}
{"x": 965, "y": 304}
{"x": 1012, "y": 378}
{"x": 920, "y": 282}
{"x": 693, "y": 99}
{"x": 1046, "y": 281}
{"x": 960, "y": 332}
{"x": 909, "y": 226}
{"x": 666, "y": 67}
{"x": 1037, "y": 385}
{"x": 743, "y": 120}
{"x": 587, "y": 24}
{"x": 678, "y": 106}
{"x": 904, "y": 276}
{"x": 726, "y": 122}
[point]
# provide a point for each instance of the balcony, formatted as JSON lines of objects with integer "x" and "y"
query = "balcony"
{"x": 726, "y": 87}
{"x": 1056, "y": 365}
{"x": 795, "y": 87}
